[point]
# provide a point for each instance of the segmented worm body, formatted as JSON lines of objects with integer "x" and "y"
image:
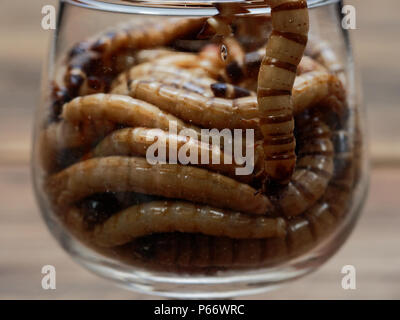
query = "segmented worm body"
{"x": 249, "y": 72}
{"x": 88, "y": 119}
{"x": 314, "y": 169}
{"x": 193, "y": 250}
{"x": 92, "y": 66}
{"x": 137, "y": 141}
{"x": 207, "y": 112}
{"x": 252, "y": 62}
{"x": 166, "y": 216}
{"x": 168, "y": 74}
{"x": 310, "y": 89}
{"x": 285, "y": 48}
{"x": 320, "y": 88}
{"x": 132, "y": 174}
{"x": 119, "y": 109}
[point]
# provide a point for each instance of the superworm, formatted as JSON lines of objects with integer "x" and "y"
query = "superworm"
{"x": 87, "y": 62}
{"x": 252, "y": 62}
{"x": 309, "y": 90}
{"x": 119, "y": 109}
{"x": 199, "y": 76}
{"x": 285, "y": 48}
{"x": 313, "y": 171}
{"x": 193, "y": 250}
{"x": 136, "y": 142}
{"x": 321, "y": 88}
{"x": 134, "y": 174}
{"x": 229, "y": 91}
{"x": 207, "y": 112}
{"x": 88, "y": 119}
{"x": 166, "y": 216}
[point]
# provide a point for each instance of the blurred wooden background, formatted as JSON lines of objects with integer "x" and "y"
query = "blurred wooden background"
{"x": 25, "y": 244}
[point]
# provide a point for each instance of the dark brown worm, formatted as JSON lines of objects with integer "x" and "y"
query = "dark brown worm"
{"x": 92, "y": 65}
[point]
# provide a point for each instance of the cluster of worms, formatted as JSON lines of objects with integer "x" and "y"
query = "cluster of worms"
{"x": 200, "y": 73}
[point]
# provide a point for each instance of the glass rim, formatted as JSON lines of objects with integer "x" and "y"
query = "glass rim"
{"x": 177, "y": 7}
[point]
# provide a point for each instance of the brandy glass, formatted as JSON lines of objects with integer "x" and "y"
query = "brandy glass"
{"x": 122, "y": 76}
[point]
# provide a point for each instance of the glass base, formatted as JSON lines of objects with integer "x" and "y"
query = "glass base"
{"x": 222, "y": 285}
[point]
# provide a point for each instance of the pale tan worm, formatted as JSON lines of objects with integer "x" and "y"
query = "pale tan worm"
{"x": 120, "y": 174}
{"x": 137, "y": 141}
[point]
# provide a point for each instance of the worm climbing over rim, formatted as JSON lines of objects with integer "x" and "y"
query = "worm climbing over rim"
{"x": 285, "y": 48}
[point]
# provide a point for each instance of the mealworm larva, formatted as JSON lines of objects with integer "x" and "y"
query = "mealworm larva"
{"x": 166, "y": 216}
{"x": 252, "y": 63}
{"x": 320, "y": 88}
{"x": 119, "y": 109}
{"x": 314, "y": 169}
{"x": 202, "y": 87}
{"x": 190, "y": 61}
{"x": 202, "y": 251}
{"x": 136, "y": 142}
{"x": 119, "y": 174}
{"x": 88, "y": 119}
{"x": 309, "y": 90}
{"x": 199, "y": 76}
{"x": 92, "y": 67}
{"x": 187, "y": 105}
{"x": 285, "y": 48}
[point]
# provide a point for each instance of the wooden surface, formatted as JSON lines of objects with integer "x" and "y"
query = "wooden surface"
{"x": 25, "y": 243}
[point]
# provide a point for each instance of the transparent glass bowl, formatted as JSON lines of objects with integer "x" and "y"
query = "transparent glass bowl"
{"x": 174, "y": 229}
